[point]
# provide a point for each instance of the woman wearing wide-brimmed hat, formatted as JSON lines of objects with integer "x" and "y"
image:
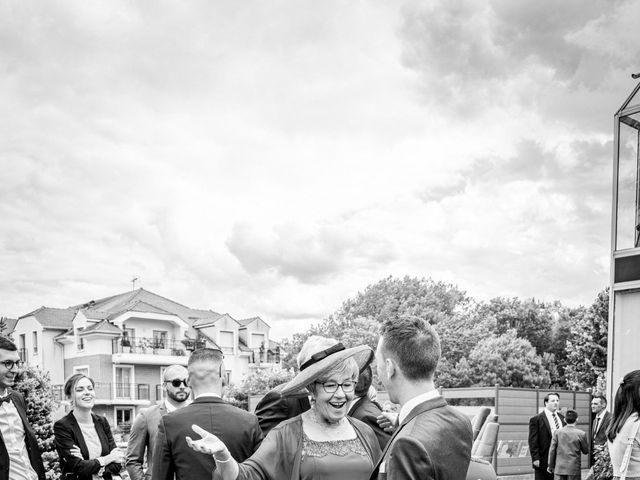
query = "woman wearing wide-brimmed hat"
{"x": 320, "y": 444}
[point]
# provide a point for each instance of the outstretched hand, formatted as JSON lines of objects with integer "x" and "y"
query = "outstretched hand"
{"x": 388, "y": 421}
{"x": 209, "y": 443}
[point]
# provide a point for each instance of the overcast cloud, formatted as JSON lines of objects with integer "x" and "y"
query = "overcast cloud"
{"x": 274, "y": 158}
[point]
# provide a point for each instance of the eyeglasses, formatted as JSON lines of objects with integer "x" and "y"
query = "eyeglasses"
{"x": 332, "y": 387}
{"x": 9, "y": 364}
{"x": 177, "y": 382}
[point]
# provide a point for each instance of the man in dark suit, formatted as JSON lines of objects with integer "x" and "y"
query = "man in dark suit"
{"x": 274, "y": 407}
{"x": 238, "y": 429}
{"x": 567, "y": 446}
{"x": 20, "y": 457}
{"x": 144, "y": 430}
{"x": 367, "y": 410}
{"x": 433, "y": 440}
{"x": 601, "y": 422}
{"x": 541, "y": 429}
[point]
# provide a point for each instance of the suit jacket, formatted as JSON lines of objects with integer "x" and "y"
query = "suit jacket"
{"x": 143, "y": 435}
{"x": 67, "y": 434}
{"x": 274, "y": 408}
{"x": 567, "y": 444}
{"x": 30, "y": 440}
{"x": 433, "y": 442}
{"x": 367, "y": 411}
{"x": 238, "y": 429}
{"x": 540, "y": 438}
{"x": 601, "y": 435}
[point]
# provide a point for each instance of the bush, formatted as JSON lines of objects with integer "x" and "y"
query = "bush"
{"x": 35, "y": 386}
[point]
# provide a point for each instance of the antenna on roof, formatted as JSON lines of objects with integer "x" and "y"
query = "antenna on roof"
{"x": 133, "y": 283}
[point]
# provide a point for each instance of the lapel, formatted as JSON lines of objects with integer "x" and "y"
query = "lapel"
{"x": 545, "y": 420}
{"x": 21, "y": 412}
{"x": 355, "y": 406}
{"x": 437, "y": 402}
{"x": 77, "y": 433}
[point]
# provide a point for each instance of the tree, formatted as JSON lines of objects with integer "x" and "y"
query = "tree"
{"x": 587, "y": 347}
{"x": 392, "y": 297}
{"x": 35, "y": 386}
{"x": 508, "y": 361}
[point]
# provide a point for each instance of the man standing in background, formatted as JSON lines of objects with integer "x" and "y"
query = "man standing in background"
{"x": 145, "y": 427}
{"x": 601, "y": 422}
{"x": 541, "y": 430}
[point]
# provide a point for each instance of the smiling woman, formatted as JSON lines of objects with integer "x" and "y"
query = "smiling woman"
{"x": 84, "y": 441}
{"x": 320, "y": 444}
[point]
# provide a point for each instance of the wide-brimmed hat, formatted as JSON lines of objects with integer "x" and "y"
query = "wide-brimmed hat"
{"x": 324, "y": 361}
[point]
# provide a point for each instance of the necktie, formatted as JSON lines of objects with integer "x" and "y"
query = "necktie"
{"x": 5, "y": 399}
{"x": 555, "y": 420}
{"x": 595, "y": 426}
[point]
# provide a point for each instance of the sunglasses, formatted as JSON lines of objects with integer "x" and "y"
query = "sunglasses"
{"x": 177, "y": 382}
{"x": 10, "y": 364}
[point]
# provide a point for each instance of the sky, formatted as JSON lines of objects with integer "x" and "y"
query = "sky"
{"x": 275, "y": 158}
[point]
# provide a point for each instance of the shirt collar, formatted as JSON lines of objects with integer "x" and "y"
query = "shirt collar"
{"x": 208, "y": 394}
{"x": 414, "y": 402}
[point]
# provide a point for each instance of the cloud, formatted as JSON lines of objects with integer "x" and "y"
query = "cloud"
{"x": 308, "y": 256}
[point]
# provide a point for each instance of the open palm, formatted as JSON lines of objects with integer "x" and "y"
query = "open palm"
{"x": 209, "y": 443}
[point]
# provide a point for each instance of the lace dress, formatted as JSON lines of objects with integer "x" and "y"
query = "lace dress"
{"x": 334, "y": 460}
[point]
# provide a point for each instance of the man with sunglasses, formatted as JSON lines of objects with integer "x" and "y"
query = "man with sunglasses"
{"x": 19, "y": 453}
{"x": 144, "y": 430}
{"x": 237, "y": 428}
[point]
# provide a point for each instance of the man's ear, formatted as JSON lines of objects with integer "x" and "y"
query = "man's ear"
{"x": 391, "y": 367}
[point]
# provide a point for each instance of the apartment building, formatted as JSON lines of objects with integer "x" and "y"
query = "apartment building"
{"x": 124, "y": 342}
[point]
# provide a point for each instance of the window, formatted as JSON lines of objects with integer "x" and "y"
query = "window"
{"x": 257, "y": 340}
{"x": 124, "y": 417}
{"x": 159, "y": 339}
{"x": 226, "y": 341}
{"x": 227, "y": 377}
{"x": 35, "y": 342}
{"x": 83, "y": 370}
{"x": 124, "y": 376}
{"x": 79, "y": 340}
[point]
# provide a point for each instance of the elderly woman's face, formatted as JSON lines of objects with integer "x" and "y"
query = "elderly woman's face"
{"x": 332, "y": 396}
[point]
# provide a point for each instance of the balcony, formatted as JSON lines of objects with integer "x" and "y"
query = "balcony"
{"x": 260, "y": 356}
{"x": 155, "y": 346}
{"x": 118, "y": 393}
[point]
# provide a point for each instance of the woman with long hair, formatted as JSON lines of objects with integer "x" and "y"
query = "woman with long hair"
{"x": 624, "y": 432}
{"x": 83, "y": 439}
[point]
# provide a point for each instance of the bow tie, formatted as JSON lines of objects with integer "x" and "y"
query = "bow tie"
{"x": 6, "y": 398}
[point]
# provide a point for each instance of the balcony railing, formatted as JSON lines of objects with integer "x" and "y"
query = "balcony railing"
{"x": 114, "y": 391}
{"x": 154, "y": 346}
{"x": 260, "y": 355}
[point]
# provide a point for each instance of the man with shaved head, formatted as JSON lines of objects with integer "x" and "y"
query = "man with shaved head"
{"x": 145, "y": 427}
{"x": 238, "y": 429}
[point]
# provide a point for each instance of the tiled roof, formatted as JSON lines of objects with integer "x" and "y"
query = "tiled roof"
{"x": 246, "y": 321}
{"x": 53, "y": 317}
{"x": 242, "y": 346}
{"x": 208, "y": 339}
{"x": 207, "y": 320}
{"x": 102, "y": 326}
{"x": 94, "y": 314}
{"x": 142, "y": 300}
{"x": 10, "y": 324}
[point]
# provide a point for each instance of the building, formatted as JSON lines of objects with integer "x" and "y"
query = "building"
{"x": 623, "y": 354}
{"x": 124, "y": 343}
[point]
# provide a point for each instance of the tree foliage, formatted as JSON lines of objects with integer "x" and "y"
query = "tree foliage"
{"x": 504, "y": 341}
{"x": 35, "y": 386}
{"x": 587, "y": 346}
